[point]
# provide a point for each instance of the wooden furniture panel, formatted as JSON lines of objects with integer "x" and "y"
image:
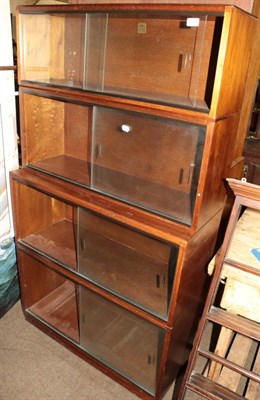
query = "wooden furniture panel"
{"x": 48, "y": 134}
{"x": 44, "y": 134}
{"x": 50, "y": 281}
{"x": 38, "y": 65}
{"x": 224, "y": 100}
{"x": 29, "y": 206}
{"x": 45, "y": 59}
{"x": 188, "y": 298}
{"x": 217, "y": 163}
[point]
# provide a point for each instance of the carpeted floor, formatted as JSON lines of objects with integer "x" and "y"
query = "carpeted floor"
{"x": 35, "y": 367}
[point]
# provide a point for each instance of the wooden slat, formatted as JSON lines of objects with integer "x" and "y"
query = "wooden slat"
{"x": 234, "y": 322}
{"x": 210, "y": 390}
{"x": 242, "y": 267}
{"x": 227, "y": 364}
{"x": 230, "y": 74}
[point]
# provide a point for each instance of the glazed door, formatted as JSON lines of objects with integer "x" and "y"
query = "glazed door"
{"x": 123, "y": 341}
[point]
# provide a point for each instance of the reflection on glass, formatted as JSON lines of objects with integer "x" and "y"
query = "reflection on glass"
{"x": 160, "y": 57}
{"x": 147, "y": 161}
{"x": 136, "y": 267}
{"x": 123, "y": 341}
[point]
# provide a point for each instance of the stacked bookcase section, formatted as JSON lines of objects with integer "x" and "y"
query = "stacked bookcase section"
{"x": 129, "y": 114}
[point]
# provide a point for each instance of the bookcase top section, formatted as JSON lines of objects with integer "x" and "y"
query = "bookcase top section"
{"x": 103, "y": 7}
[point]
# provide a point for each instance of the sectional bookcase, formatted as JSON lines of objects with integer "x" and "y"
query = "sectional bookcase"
{"x": 129, "y": 118}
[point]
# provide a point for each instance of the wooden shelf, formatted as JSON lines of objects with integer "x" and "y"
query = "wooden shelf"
{"x": 66, "y": 167}
{"x": 56, "y": 241}
{"x": 186, "y": 102}
{"x": 59, "y": 309}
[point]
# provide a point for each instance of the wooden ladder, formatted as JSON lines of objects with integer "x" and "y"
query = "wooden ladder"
{"x": 227, "y": 365}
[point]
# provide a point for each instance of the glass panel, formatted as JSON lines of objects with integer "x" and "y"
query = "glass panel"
{"x": 49, "y": 296}
{"x": 128, "y": 53}
{"x": 123, "y": 341}
{"x": 136, "y": 267}
{"x": 47, "y": 225}
{"x": 161, "y": 57}
{"x": 147, "y": 161}
{"x": 57, "y": 137}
